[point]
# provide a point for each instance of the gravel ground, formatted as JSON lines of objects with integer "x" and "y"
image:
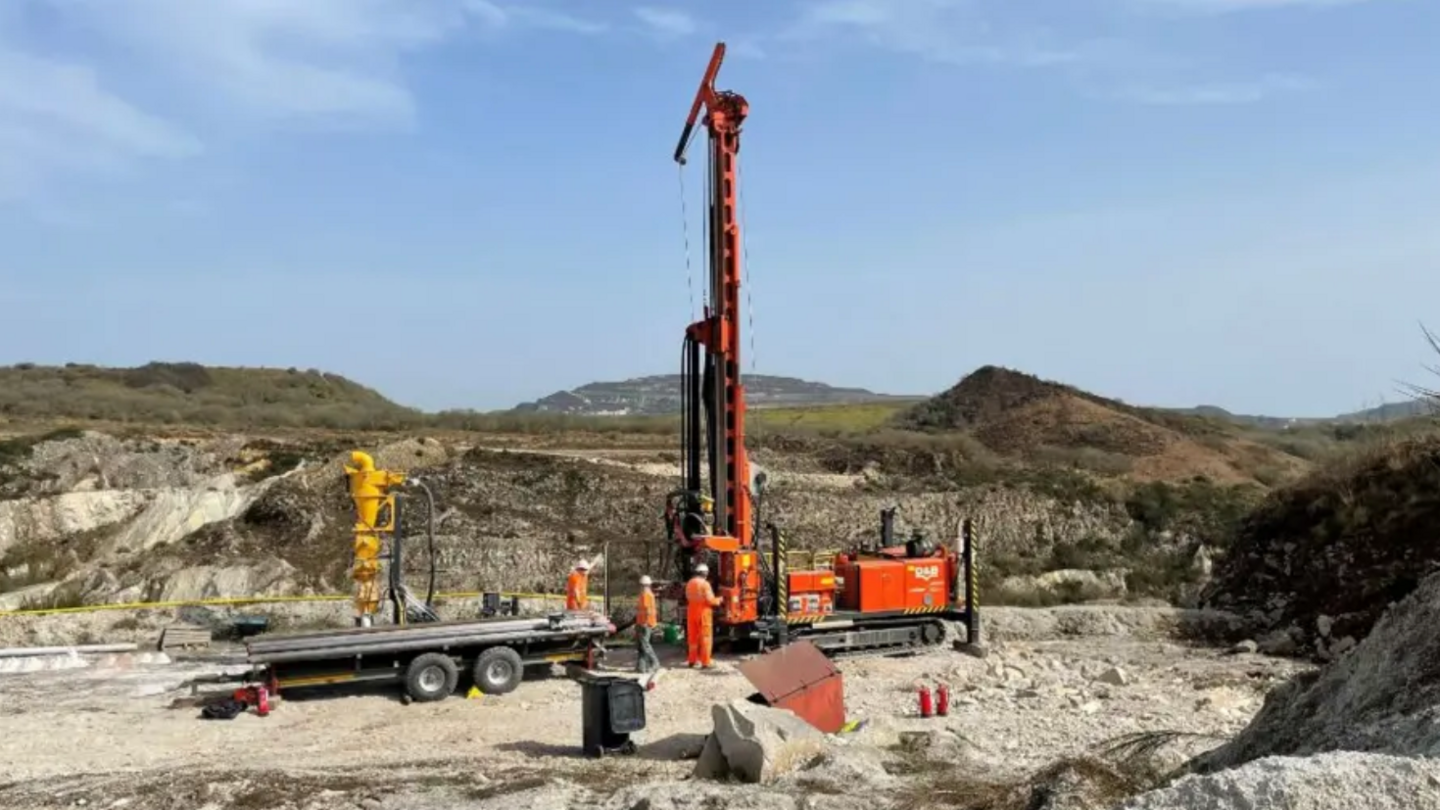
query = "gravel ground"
{"x": 109, "y": 737}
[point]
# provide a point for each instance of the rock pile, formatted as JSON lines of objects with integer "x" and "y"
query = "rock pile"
{"x": 1383, "y": 696}
{"x": 1363, "y": 732}
{"x": 1334, "y": 781}
{"x": 1319, "y": 562}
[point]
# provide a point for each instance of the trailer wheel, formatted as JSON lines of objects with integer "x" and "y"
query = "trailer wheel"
{"x": 431, "y": 677}
{"x": 498, "y": 670}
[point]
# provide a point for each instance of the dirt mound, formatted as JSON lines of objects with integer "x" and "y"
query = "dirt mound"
{"x": 1322, "y": 559}
{"x": 1066, "y": 420}
{"x": 984, "y": 395}
{"x": 1382, "y": 697}
{"x": 1018, "y": 415}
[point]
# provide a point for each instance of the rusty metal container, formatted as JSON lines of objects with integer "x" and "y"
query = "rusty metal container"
{"x": 799, "y": 677}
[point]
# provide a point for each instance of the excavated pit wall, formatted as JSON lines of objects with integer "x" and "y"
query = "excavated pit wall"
{"x": 192, "y": 526}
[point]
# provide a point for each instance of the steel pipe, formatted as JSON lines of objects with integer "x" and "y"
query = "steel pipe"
{"x": 344, "y": 644}
{"x": 445, "y": 630}
{"x": 80, "y": 649}
{"x": 406, "y": 645}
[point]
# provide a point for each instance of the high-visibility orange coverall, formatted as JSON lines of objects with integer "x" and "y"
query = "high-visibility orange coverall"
{"x": 646, "y": 619}
{"x": 700, "y": 600}
{"x": 577, "y": 590}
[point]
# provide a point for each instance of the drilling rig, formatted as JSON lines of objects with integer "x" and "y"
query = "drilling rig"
{"x": 883, "y": 596}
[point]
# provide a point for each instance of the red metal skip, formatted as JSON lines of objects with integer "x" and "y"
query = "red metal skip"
{"x": 799, "y": 677}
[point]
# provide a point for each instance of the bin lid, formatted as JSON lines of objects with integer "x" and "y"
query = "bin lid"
{"x": 594, "y": 676}
{"x": 783, "y": 672}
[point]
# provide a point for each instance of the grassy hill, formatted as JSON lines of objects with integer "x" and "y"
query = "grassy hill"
{"x": 1017, "y": 415}
{"x": 994, "y": 418}
{"x": 1389, "y": 412}
{"x": 659, "y": 395}
{"x": 189, "y": 393}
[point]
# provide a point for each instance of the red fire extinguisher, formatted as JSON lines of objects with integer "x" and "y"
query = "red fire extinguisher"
{"x": 925, "y": 706}
{"x": 942, "y": 700}
{"x": 262, "y": 701}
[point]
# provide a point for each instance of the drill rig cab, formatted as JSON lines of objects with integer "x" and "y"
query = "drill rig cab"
{"x": 871, "y": 598}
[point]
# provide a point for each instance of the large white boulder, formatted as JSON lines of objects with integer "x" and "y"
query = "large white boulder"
{"x": 756, "y": 743}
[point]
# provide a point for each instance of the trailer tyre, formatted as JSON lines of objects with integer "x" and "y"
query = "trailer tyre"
{"x": 431, "y": 677}
{"x": 498, "y": 670}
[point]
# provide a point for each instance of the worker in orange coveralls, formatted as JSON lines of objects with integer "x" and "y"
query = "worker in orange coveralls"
{"x": 646, "y": 619}
{"x": 577, "y": 587}
{"x": 699, "y": 602}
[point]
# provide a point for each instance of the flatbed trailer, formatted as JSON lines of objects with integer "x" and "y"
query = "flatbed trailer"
{"x": 428, "y": 658}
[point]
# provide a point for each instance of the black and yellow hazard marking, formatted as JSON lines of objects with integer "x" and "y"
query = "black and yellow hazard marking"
{"x": 782, "y": 577}
{"x": 974, "y": 568}
{"x": 913, "y": 611}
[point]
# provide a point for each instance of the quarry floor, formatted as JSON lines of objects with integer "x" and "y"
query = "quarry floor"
{"x": 114, "y": 736}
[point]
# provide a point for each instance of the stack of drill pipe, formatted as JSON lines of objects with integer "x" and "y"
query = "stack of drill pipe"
{"x": 81, "y": 649}
{"x": 397, "y": 638}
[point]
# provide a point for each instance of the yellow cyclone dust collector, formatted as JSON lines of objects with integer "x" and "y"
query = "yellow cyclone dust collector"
{"x": 370, "y": 490}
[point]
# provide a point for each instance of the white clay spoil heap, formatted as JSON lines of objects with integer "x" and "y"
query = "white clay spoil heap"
{"x": 1364, "y": 732}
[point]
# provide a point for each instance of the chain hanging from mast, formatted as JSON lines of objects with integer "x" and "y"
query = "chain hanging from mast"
{"x": 685, "y": 235}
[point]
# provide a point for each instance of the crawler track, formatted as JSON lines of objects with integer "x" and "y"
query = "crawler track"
{"x": 884, "y": 640}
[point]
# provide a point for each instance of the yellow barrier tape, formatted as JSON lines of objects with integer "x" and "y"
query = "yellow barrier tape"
{"x": 259, "y": 600}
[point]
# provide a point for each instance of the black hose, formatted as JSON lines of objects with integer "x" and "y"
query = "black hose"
{"x": 685, "y": 372}
{"x": 430, "y": 538}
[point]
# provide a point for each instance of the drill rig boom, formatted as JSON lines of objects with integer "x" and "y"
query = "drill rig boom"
{"x": 712, "y": 386}
{"x": 885, "y": 597}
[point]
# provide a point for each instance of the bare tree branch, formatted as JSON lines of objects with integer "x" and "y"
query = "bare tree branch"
{"x": 1430, "y": 396}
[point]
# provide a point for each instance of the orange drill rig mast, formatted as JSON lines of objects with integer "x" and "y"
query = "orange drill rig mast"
{"x": 712, "y": 378}
{"x": 878, "y": 597}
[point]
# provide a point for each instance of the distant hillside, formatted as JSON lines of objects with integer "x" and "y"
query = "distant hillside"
{"x": 1018, "y": 415}
{"x": 1390, "y": 412}
{"x": 1247, "y": 420}
{"x": 660, "y": 394}
{"x": 189, "y": 393}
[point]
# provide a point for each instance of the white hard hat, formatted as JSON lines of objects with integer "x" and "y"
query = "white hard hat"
{"x": 702, "y": 568}
{"x": 645, "y": 580}
{"x": 583, "y": 565}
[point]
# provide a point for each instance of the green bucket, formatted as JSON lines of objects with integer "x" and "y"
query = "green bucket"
{"x": 671, "y": 634}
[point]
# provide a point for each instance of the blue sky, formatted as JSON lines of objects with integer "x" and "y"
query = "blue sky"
{"x": 469, "y": 203}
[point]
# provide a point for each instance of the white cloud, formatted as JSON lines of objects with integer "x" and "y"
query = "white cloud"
{"x": 745, "y": 49}
{"x": 1006, "y": 33}
{"x": 57, "y": 118}
{"x": 1246, "y": 92}
{"x": 325, "y": 59}
{"x": 209, "y": 64}
{"x": 667, "y": 22}
{"x": 1226, "y": 6}
{"x": 552, "y": 20}
{"x": 947, "y": 31}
